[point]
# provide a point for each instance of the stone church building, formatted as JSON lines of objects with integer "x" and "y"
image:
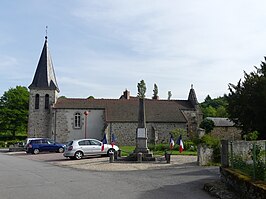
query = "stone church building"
{"x": 63, "y": 119}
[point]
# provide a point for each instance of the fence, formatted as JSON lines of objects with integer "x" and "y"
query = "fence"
{"x": 248, "y": 157}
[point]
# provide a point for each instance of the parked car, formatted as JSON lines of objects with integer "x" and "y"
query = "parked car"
{"x": 27, "y": 141}
{"x": 76, "y": 149}
{"x": 35, "y": 146}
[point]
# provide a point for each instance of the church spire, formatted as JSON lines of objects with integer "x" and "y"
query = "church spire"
{"x": 44, "y": 77}
{"x": 192, "y": 96}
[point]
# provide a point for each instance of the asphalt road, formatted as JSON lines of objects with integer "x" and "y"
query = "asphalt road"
{"x": 23, "y": 178}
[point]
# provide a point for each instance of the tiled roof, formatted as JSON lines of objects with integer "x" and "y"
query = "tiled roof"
{"x": 122, "y": 110}
{"x": 221, "y": 122}
{"x": 44, "y": 76}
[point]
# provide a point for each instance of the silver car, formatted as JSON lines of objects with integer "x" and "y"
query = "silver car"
{"x": 76, "y": 149}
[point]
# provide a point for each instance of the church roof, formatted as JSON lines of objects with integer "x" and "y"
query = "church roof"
{"x": 192, "y": 96}
{"x": 122, "y": 110}
{"x": 44, "y": 77}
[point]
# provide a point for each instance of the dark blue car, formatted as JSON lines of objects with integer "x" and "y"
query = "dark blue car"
{"x": 38, "y": 145}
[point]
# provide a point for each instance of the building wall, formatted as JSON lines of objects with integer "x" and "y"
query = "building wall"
{"x": 194, "y": 119}
{"x": 40, "y": 120}
{"x": 228, "y": 133}
{"x": 64, "y": 124}
{"x": 125, "y": 132}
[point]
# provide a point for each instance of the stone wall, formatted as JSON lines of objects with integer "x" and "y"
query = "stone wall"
{"x": 40, "y": 120}
{"x": 228, "y": 133}
{"x": 157, "y": 132}
{"x": 243, "y": 185}
{"x": 205, "y": 155}
{"x": 64, "y": 124}
{"x": 242, "y": 148}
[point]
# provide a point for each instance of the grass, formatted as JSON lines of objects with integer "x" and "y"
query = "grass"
{"x": 126, "y": 150}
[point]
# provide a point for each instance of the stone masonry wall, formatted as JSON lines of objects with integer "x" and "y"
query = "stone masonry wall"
{"x": 64, "y": 124}
{"x": 229, "y": 133}
{"x": 39, "y": 122}
{"x": 157, "y": 132}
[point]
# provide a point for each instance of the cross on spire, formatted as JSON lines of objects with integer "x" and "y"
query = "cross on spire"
{"x": 46, "y": 32}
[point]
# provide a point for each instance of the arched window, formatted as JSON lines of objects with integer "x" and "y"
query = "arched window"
{"x": 46, "y": 104}
{"x": 77, "y": 120}
{"x": 37, "y": 101}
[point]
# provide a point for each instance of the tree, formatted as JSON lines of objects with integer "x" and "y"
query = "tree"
{"x": 14, "y": 105}
{"x": 247, "y": 102}
{"x": 207, "y": 124}
{"x": 169, "y": 95}
{"x": 214, "y": 107}
{"x": 141, "y": 89}
{"x": 155, "y": 92}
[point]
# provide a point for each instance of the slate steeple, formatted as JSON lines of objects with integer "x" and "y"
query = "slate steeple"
{"x": 192, "y": 96}
{"x": 44, "y": 77}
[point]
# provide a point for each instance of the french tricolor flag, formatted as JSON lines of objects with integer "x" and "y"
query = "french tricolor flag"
{"x": 172, "y": 142}
{"x": 180, "y": 143}
{"x": 104, "y": 141}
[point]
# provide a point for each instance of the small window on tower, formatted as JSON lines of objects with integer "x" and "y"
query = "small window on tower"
{"x": 77, "y": 123}
{"x": 37, "y": 101}
{"x": 46, "y": 105}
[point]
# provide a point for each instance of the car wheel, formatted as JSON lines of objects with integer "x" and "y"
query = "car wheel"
{"x": 78, "y": 155}
{"x": 110, "y": 151}
{"x": 61, "y": 150}
{"x": 36, "y": 151}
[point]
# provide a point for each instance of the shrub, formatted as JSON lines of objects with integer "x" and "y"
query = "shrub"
{"x": 190, "y": 145}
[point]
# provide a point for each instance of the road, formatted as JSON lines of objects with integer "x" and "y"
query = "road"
{"x": 23, "y": 178}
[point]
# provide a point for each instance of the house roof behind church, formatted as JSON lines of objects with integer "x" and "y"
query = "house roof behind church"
{"x": 221, "y": 122}
{"x": 122, "y": 110}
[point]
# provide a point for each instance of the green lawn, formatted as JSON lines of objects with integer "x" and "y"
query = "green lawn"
{"x": 126, "y": 150}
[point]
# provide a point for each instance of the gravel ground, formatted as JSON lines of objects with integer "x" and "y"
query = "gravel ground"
{"x": 103, "y": 164}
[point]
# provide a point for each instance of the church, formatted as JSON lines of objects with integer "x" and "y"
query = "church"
{"x": 63, "y": 119}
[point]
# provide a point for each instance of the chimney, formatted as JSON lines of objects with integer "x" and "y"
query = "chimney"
{"x": 127, "y": 94}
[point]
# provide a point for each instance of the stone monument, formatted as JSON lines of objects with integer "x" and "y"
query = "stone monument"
{"x": 141, "y": 131}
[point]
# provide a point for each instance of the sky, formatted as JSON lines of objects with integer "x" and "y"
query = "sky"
{"x": 101, "y": 48}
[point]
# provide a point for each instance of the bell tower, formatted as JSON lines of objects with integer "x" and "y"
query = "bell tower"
{"x": 43, "y": 94}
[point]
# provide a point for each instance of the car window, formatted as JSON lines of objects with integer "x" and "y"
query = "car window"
{"x": 50, "y": 141}
{"x": 94, "y": 142}
{"x": 45, "y": 141}
{"x": 35, "y": 141}
{"x": 81, "y": 143}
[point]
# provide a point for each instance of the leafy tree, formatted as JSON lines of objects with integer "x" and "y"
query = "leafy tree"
{"x": 14, "y": 105}
{"x": 141, "y": 89}
{"x": 90, "y": 97}
{"x": 214, "y": 107}
{"x": 169, "y": 95}
{"x": 207, "y": 124}
{"x": 155, "y": 92}
{"x": 247, "y": 102}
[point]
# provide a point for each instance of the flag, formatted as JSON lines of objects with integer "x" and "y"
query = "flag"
{"x": 172, "y": 142}
{"x": 104, "y": 141}
{"x": 180, "y": 143}
{"x": 113, "y": 140}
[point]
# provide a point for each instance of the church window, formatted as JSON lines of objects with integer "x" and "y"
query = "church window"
{"x": 37, "y": 101}
{"x": 77, "y": 121}
{"x": 46, "y": 104}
